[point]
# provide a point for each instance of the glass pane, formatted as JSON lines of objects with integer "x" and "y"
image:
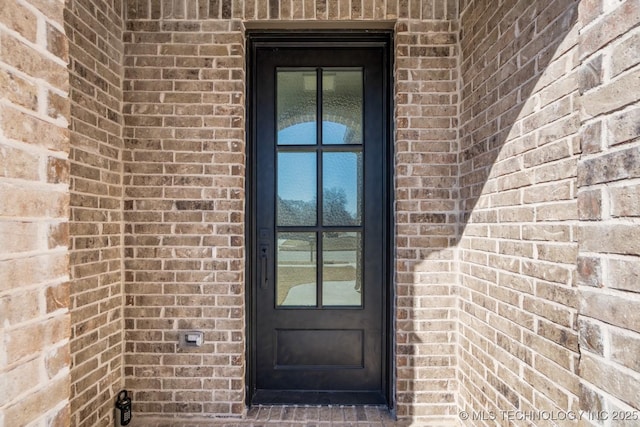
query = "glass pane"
{"x": 296, "y": 277}
{"x": 341, "y": 269}
{"x": 342, "y": 106}
{"x": 342, "y": 188}
{"x": 297, "y": 189}
{"x": 296, "y": 106}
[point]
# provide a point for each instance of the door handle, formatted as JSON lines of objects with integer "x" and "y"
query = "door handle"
{"x": 264, "y": 258}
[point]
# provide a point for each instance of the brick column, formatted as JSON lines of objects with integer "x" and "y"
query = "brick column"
{"x": 34, "y": 207}
{"x": 609, "y": 205}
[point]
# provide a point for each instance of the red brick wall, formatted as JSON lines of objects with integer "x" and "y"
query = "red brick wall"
{"x": 34, "y": 208}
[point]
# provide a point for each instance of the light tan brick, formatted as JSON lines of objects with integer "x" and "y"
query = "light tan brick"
{"x": 611, "y": 95}
{"x": 609, "y": 378}
{"x": 614, "y": 238}
{"x": 609, "y": 26}
{"x": 18, "y": 90}
{"x": 613, "y": 166}
{"x": 34, "y": 202}
{"x": 501, "y": 85}
{"x": 26, "y": 59}
{"x": 623, "y": 274}
{"x": 616, "y": 309}
{"x": 623, "y": 127}
{"x": 29, "y": 128}
{"x": 19, "y": 18}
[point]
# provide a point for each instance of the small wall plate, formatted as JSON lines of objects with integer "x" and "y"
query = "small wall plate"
{"x": 191, "y": 339}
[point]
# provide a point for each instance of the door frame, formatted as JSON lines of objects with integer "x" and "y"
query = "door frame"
{"x": 349, "y": 38}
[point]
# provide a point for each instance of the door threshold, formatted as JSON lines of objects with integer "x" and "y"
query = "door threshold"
{"x": 319, "y": 398}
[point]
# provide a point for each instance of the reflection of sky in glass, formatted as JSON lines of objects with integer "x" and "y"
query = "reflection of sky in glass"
{"x": 340, "y": 170}
{"x": 297, "y": 176}
{"x": 297, "y": 171}
{"x": 296, "y": 134}
{"x": 333, "y": 133}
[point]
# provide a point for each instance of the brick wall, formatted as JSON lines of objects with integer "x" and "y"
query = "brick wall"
{"x": 34, "y": 207}
{"x": 426, "y": 97}
{"x": 609, "y": 206}
{"x": 184, "y": 210}
{"x": 518, "y": 155}
{"x": 94, "y": 29}
{"x": 185, "y": 189}
{"x": 515, "y": 244}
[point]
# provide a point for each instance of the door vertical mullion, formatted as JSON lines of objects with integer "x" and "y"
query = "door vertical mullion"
{"x": 319, "y": 106}
{"x": 320, "y": 252}
{"x": 319, "y": 195}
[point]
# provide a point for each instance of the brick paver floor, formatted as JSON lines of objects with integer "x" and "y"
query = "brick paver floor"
{"x": 289, "y": 416}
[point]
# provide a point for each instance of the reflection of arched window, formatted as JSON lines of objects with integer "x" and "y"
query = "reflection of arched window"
{"x": 333, "y": 133}
{"x": 341, "y": 96}
{"x": 294, "y": 134}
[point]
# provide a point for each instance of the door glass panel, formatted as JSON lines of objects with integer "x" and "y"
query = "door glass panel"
{"x": 342, "y": 188}
{"x": 296, "y": 107}
{"x": 341, "y": 269}
{"x": 342, "y": 106}
{"x": 296, "y": 282}
{"x": 297, "y": 177}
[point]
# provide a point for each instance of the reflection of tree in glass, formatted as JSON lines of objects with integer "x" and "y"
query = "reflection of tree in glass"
{"x": 296, "y": 212}
{"x": 334, "y": 204}
{"x": 301, "y": 213}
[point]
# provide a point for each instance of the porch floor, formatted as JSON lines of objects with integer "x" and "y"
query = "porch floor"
{"x": 309, "y": 416}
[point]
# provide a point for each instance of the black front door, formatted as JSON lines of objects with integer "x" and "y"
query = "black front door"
{"x": 319, "y": 135}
